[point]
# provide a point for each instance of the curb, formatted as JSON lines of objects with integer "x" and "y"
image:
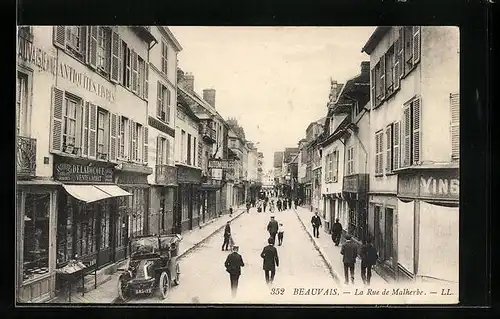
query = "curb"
{"x": 117, "y": 299}
{"x": 327, "y": 261}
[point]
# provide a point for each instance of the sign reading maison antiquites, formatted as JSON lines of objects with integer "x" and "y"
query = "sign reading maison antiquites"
{"x": 48, "y": 63}
{"x": 70, "y": 170}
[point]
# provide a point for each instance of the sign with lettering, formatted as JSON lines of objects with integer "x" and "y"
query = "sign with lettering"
{"x": 188, "y": 175}
{"x": 442, "y": 184}
{"x": 220, "y": 163}
{"x": 76, "y": 170}
{"x": 128, "y": 178}
{"x": 37, "y": 57}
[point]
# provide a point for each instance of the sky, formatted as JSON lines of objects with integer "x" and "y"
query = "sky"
{"x": 273, "y": 80}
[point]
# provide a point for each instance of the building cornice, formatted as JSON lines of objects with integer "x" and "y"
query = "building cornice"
{"x": 165, "y": 31}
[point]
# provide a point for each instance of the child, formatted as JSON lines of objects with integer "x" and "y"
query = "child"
{"x": 281, "y": 231}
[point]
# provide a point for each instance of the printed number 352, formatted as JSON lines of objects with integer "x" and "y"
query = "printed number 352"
{"x": 277, "y": 291}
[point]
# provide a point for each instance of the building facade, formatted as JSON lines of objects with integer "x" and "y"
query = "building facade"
{"x": 414, "y": 184}
{"x": 162, "y": 110}
{"x": 87, "y": 86}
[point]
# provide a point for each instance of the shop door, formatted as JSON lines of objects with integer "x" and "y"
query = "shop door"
{"x": 176, "y": 227}
{"x": 362, "y": 218}
{"x": 190, "y": 205}
{"x": 162, "y": 216}
{"x": 121, "y": 229}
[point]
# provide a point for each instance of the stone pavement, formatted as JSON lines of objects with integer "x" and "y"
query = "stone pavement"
{"x": 107, "y": 292}
{"x": 331, "y": 253}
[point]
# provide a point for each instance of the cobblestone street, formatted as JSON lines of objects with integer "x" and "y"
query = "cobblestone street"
{"x": 205, "y": 280}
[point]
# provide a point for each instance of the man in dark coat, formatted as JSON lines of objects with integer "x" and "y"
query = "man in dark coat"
{"x": 369, "y": 258}
{"x": 278, "y": 204}
{"x": 285, "y": 202}
{"x": 290, "y": 202}
{"x": 233, "y": 264}
{"x": 265, "y": 204}
{"x": 227, "y": 235}
{"x": 248, "y": 207}
{"x": 272, "y": 228}
{"x": 350, "y": 252}
{"x": 296, "y": 202}
{"x": 316, "y": 223}
{"x": 270, "y": 261}
{"x": 336, "y": 232}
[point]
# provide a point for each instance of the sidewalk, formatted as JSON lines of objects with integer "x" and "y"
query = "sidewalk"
{"x": 107, "y": 292}
{"x": 331, "y": 253}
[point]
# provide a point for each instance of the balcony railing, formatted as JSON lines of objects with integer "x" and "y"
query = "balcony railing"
{"x": 166, "y": 174}
{"x": 26, "y": 157}
{"x": 357, "y": 183}
{"x": 207, "y": 133}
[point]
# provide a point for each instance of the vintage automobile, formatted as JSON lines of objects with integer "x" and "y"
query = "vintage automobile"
{"x": 151, "y": 268}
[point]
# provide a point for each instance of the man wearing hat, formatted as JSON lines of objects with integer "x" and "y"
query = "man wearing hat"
{"x": 272, "y": 228}
{"x": 270, "y": 260}
{"x": 350, "y": 252}
{"x": 233, "y": 264}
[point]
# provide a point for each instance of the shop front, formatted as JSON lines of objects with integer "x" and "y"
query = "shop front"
{"x": 428, "y": 222}
{"x": 208, "y": 197}
{"x": 187, "y": 215}
{"x": 133, "y": 211}
{"x": 36, "y": 220}
{"x": 89, "y": 225}
{"x": 355, "y": 193}
{"x": 163, "y": 194}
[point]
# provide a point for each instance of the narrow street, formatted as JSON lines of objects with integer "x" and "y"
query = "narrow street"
{"x": 204, "y": 279}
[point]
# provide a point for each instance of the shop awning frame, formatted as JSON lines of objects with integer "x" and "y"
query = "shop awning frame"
{"x": 93, "y": 193}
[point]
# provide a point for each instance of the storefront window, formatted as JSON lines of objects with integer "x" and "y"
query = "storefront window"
{"x": 105, "y": 224}
{"x": 36, "y": 235}
{"x": 85, "y": 224}
{"x": 388, "y": 233}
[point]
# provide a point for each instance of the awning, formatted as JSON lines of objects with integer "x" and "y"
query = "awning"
{"x": 93, "y": 193}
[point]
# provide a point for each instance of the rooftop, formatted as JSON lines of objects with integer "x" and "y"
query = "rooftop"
{"x": 374, "y": 39}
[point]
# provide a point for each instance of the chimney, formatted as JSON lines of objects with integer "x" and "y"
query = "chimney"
{"x": 365, "y": 67}
{"x": 209, "y": 96}
{"x": 187, "y": 82}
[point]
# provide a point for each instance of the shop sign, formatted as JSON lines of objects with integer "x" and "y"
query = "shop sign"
{"x": 355, "y": 183}
{"x": 124, "y": 178}
{"x": 72, "y": 170}
{"x": 216, "y": 173}
{"x": 432, "y": 185}
{"x": 220, "y": 163}
{"x": 188, "y": 175}
{"x": 37, "y": 57}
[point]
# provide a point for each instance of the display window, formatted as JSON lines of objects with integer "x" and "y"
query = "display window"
{"x": 36, "y": 235}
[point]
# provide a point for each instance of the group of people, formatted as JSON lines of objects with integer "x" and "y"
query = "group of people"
{"x": 269, "y": 254}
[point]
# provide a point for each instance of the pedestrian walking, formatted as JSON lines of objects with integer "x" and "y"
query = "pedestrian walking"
{"x": 281, "y": 232}
{"x": 290, "y": 202}
{"x": 227, "y": 235}
{"x": 248, "y": 207}
{"x": 278, "y": 204}
{"x": 285, "y": 202}
{"x": 233, "y": 264}
{"x": 350, "y": 252}
{"x": 270, "y": 261}
{"x": 272, "y": 228}
{"x": 369, "y": 258}
{"x": 296, "y": 202}
{"x": 230, "y": 211}
{"x": 265, "y": 205}
{"x": 316, "y": 223}
{"x": 336, "y": 232}
{"x": 271, "y": 206}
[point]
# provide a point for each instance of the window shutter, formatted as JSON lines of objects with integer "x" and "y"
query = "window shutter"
{"x": 79, "y": 128}
{"x": 115, "y": 56}
{"x": 401, "y": 52}
{"x": 131, "y": 153}
{"x": 146, "y": 79}
{"x": 93, "y": 46}
{"x": 455, "y": 125}
{"x": 145, "y": 151}
{"x": 167, "y": 150}
{"x": 84, "y": 38}
{"x": 119, "y": 154}
{"x": 113, "y": 132}
{"x": 382, "y": 78}
{"x": 416, "y": 118}
{"x": 158, "y": 149}
{"x": 60, "y": 37}
{"x": 159, "y": 104}
{"x": 397, "y": 62}
{"x": 416, "y": 44}
{"x": 167, "y": 108}
{"x": 162, "y": 57}
{"x": 406, "y": 137}
{"x": 376, "y": 153}
{"x": 395, "y": 143}
{"x": 85, "y": 139}
{"x": 388, "y": 160}
{"x": 372, "y": 86}
{"x": 133, "y": 56}
{"x": 92, "y": 130}
{"x": 57, "y": 119}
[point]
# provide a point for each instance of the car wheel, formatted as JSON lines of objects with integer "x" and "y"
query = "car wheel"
{"x": 123, "y": 293}
{"x": 164, "y": 285}
{"x": 177, "y": 278}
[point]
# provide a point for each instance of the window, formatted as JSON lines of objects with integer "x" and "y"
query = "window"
{"x": 164, "y": 57}
{"x": 189, "y": 149}
{"x": 350, "y": 161}
{"x": 411, "y": 133}
{"x": 194, "y": 150}
{"x": 335, "y": 166}
{"x": 389, "y": 149}
{"x": 379, "y": 168}
{"x": 136, "y": 151}
{"x": 71, "y": 125}
{"x": 163, "y": 103}
{"x": 22, "y": 104}
{"x": 455, "y": 125}
{"x": 388, "y": 247}
{"x": 103, "y": 49}
{"x": 123, "y": 138}
{"x": 389, "y": 71}
{"x": 142, "y": 76}
{"x": 36, "y": 235}
{"x": 102, "y": 134}
{"x": 105, "y": 240}
{"x": 183, "y": 151}
{"x": 408, "y": 48}
{"x": 163, "y": 155}
{"x": 396, "y": 154}
{"x": 25, "y": 40}
{"x": 74, "y": 37}
{"x": 126, "y": 67}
